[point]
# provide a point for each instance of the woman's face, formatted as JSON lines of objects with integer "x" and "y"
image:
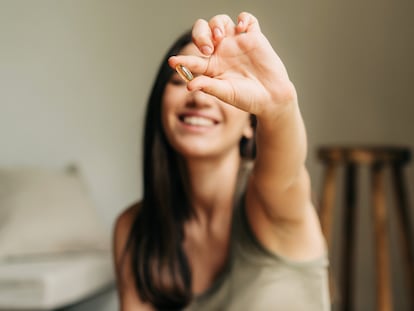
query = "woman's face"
{"x": 200, "y": 125}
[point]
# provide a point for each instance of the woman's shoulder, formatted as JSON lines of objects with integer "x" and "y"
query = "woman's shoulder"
{"x": 123, "y": 224}
{"x": 127, "y": 215}
{"x": 129, "y": 298}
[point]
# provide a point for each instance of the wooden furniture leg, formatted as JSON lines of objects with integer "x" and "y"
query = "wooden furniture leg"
{"x": 382, "y": 249}
{"x": 348, "y": 236}
{"x": 404, "y": 228}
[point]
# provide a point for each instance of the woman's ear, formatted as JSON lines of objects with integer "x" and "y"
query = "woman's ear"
{"x": 248, "y": 130}
{"x": 248, "y": 141}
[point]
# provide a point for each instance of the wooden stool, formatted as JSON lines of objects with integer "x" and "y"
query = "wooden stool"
{"x": 377, "y": 158}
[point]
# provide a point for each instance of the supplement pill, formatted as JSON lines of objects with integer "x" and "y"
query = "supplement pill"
{"x": 184, "y": 73}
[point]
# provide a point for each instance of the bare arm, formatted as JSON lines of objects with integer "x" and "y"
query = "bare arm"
{"x": 279, "y": 203}
{"x": 241, "y": 68}
{"x": 128, "y": 296}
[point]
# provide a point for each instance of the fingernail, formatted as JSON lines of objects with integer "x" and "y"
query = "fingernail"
{"x": 217, "y": 32}
{"x": 206, "y": 50}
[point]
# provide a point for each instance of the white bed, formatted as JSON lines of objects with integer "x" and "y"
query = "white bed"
{"x": 54, "y": 247}
{"x": 55, "y": 282}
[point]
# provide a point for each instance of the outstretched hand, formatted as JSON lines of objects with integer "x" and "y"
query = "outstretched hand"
{"x": 238, "y": 66}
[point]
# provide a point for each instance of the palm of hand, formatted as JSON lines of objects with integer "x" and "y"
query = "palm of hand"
{"x": 248, "y": 73}
{"x": 243, "y": 71}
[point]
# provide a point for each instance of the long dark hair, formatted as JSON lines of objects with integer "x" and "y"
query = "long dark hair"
{"x": 159, "y": 264}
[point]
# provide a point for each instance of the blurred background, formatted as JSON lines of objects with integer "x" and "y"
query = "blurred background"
{"x": 75, "y": 76}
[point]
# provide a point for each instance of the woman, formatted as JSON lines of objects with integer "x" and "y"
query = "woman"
{"x": 208, "y": 233}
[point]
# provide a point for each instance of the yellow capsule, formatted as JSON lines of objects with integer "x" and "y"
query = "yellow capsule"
{"x": 184, "y": 73}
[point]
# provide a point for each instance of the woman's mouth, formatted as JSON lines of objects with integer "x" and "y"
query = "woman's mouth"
{"x": 197, "y": 121}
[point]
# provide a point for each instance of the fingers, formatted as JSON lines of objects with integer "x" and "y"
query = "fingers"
{"x": 246, "y": 22}
{"x": 203, "y": 37}
{"x": 206, "y": 35}
{"x": 215, "y": 87}
{"x": 195, "y": 64}
{"x": 221, "y": 26}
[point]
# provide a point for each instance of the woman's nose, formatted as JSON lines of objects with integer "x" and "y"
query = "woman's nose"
{"x": 199, "y": 99}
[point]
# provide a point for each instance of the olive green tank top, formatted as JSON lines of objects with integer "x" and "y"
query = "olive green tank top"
{"x": 257, "y": 280}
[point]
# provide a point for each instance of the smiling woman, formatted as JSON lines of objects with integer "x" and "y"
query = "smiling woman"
{"x": 215, "y": 229}
{"x": 196, "y": 123}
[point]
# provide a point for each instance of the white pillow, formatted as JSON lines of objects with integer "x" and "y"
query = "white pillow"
{"x": 44, "y": 212}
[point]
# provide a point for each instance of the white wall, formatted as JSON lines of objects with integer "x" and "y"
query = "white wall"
{"x": 75, "y": 75}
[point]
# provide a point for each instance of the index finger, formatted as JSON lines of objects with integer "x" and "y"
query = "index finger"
{"x": 203, "y": 37}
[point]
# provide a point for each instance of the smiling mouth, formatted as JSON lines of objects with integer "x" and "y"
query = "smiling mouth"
{"x": 197, "y": 121}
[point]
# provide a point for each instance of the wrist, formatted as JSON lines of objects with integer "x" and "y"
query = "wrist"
{"x": 284, "y": 102}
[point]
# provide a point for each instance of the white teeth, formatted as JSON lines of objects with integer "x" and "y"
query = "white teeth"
{"x": 199, "y": 121}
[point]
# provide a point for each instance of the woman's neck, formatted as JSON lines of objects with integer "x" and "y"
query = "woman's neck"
{"x": 212, "y": 184}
